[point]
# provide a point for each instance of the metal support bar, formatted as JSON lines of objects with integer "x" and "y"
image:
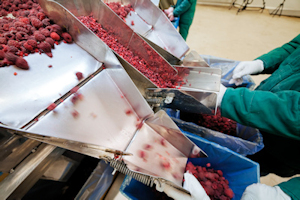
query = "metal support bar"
{"x": 12, "y": 181}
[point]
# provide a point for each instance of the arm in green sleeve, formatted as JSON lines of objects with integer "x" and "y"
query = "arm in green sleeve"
{"x": 182, "y": 7}
{"x": 275, "y": 113}
{"x": 291, "y": 188}
{"x": 274, "y": 58}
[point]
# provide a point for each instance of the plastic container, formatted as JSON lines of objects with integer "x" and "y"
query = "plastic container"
{"x": 227, "y": 66}
{"x": 175, "y": 22}
{"x": 237, "y": 169}
{"x": 247, "y": 142}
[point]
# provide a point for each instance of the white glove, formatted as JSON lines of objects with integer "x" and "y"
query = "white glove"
{"x": 169, "y": 10}
{"x": 246, "y": 68}
{"x": 260, "y": 191}
{"x": 171, "y": 16}
{"x": 190, "y": 183}
{"x": 221, "y": 94}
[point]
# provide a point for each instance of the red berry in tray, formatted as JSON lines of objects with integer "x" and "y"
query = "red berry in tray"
{"x": 55, "y": 36}
{"x": 67, "y": 37}
{"x": 22, "y": 63}
{"x": 79, "y": 75}
{"x": 52, "y": 106}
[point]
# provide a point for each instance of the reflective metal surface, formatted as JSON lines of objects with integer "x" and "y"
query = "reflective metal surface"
{"x": 109, "y": 20}
{"x": 165, "y": 127}
{"x": 203, "y": 78}
{"x": 153, "y": 24}
{"x": 41, "y": 85}
{"x": 162, "y": 159}
{"x": 102, "y": 119}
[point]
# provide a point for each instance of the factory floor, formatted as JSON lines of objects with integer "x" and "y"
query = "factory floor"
{"x": 220, "y": 31}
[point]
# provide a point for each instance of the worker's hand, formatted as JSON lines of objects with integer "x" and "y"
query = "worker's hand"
{"x": 260, "y": 191}
{"x": 171, "y": 16}
{"x": 169, "y": 10}
{"x": 221, "y": 94}
{"x": 190, "y": 183}
{"x": 246, "y": 68}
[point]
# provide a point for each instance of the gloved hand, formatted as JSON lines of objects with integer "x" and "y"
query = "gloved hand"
{"x": 190, "y": 183}
{"x": 246, "y": 68}
{"x": 260, "y": 191}
{"x": 221, "y": 94}
{"x": 171, "y": 16}
{"x": 169, "y": 10}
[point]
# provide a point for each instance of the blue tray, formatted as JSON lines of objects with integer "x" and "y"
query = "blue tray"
{"x": 237, "y": 169}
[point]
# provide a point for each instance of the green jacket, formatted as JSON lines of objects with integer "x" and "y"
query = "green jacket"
{"x": 185, "y": 9}
{"x": 274, "y": 107}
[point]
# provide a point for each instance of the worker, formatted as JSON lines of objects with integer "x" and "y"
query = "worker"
{"x": 274, "y": 108}
{"x": 185, "y": 10}
{"x": 165, "y": 4}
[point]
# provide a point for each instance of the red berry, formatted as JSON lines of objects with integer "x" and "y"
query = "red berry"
{"x": 55, "y": 36}
{"x": 52, "y": 106}
{"x": 79, "y": 75}
{"x": 22, "y": 63}
{"x": 67, "y": 37}
{"x": 128, "y": 112}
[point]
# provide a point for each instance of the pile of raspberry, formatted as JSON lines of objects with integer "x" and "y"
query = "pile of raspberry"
{"x": 154, "y": 68}
{"x": 28, "y": 31}
{"x": 218, "y": 123}
{"x": 119, "y": 9}
{"x": 213, "y": 181}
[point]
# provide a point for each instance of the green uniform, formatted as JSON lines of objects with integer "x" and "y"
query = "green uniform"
{"x": 274, "y": 108}
{"x": 185, "y": 9}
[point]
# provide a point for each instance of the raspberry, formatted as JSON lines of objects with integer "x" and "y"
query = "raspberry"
{"x": 45, "y": 32}
{"x": 28, "y": 46}
{"x": 9, "y": 36}
{"x": 3, "y": 40}
{"x": 56, "y": 28}
{"x": 147, "y": 147}
{"x": 74, "y": 89}
{"x": 55, "y": 36}
{"x": 75, "y": 113}
{"x": 21, "y": 29}
{"x": 165, "y": 164}
{"x": 11, "y": 57}
{"x": 32, "y": 43}
{"x": 50, "y": 41}
{"x": 52, "y": 106}
{"x": 21, "y": 36}
{"x": 79, "y": 75}
{"x": 128, "y": 112}
{"x": 228, "y": 192}
{"x": 40, "y": 16}
{"x": 12, "y": 49}
{"x": 2, "y": 55}
{"x": 67, "y": 37}
{"x": 22, "y": 63}
{"x": 36, "y": 22}
{"x": 46, "y": 22}
{"x": 25, "y": 20}
{"x": 39, "y": 37}
{"x": 45, "y": 47}
{"x": 13, "y": 43}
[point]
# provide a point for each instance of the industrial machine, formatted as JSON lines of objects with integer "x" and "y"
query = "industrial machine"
{"x": 112, "y": 113}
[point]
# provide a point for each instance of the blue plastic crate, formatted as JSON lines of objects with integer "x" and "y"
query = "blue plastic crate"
{"x": 237, "y": 169}
{"x": 175, "y": 22}
{"x": 247, "y": 142}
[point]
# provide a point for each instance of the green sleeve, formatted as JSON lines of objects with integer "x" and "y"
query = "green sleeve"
{"x": 274, "y": 58}
{"x": 291, "y": 188}
{"x": 182, "y": 8}
{"x": 276, "y": 113}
